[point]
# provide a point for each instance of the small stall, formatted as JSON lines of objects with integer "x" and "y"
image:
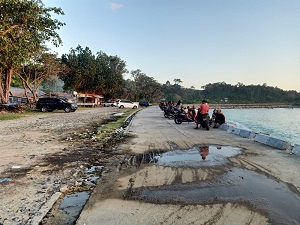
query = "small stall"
{"x": 91, "y": 100}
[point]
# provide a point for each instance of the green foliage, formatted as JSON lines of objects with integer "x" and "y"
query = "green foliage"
{"x": 107, "y": 129}
{"x": 10, "y": 116}
{"x": 39, "y": 67}
{"x": 144, "y": 88}
{"x": 93, "y": 74}
{"x": 16, "y": 82}
{"x": 239, "y": 93}
{"x": 25, "y": 27}
{"x": 52, "y": 84}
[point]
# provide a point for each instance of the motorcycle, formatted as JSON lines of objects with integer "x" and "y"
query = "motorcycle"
{"x": 204, "y": 121}
{"x": 185, "y": 116}
{"x": 169, "y": 113}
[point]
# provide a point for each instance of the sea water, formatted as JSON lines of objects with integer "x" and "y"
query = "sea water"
{"x": 282, "y": 123}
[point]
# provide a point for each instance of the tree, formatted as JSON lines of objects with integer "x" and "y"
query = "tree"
{"x": 82, "y": 71}
{"x": 93, "y": 74}
{"x": 37, "y": 69}
{"x": 177, "y": 81}
{"x": 146, "y": 87}
{"x": 25, "y": 26}
{"x": 112, "y": 69}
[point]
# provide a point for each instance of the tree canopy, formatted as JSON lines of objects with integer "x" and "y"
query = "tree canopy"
{"x": 93, "y": 74}
{"x": 25, "y": 27}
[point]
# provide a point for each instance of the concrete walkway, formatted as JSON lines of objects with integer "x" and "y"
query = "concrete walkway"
{"x": 153, "y": 132}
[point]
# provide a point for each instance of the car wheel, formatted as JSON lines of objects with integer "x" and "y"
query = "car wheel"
{"x": 134, "y": 107}
{"x": 67, "y": 109}
{"x": 44, "y": 109}
{"x": 121, "y": 106}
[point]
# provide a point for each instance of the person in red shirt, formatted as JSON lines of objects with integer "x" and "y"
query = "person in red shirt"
{"x": 202, "y": 111}
{"x": 204, "y": 151}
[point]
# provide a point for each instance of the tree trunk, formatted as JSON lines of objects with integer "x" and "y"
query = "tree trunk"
{"x": 4, "y": 91}
{"x": 1, "y": 93}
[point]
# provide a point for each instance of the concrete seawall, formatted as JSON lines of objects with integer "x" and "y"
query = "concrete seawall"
{"x": 262, "y": 138}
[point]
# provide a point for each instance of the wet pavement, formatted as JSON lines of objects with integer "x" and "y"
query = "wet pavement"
{"x": 259, "y": 192}
{"x": 198, "y": 156}
{"x": 280, "y": 202}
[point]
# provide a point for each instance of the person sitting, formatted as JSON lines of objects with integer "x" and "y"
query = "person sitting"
{"x": 178, "y": 106}
{"x": 213, "y": 117}
{"x": 219, "y": 118}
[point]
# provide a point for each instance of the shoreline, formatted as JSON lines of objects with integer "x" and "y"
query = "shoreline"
{"x": 246, "y": 106}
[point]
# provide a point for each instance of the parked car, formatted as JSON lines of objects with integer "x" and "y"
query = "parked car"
{"x": 50, "y": 104}
{"x": 126, "y": 104}
{"x": 145, "y": 104}
{"x": 109, "y": 103}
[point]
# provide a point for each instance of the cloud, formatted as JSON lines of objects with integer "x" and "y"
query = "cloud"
{"x": 115, "y": 6}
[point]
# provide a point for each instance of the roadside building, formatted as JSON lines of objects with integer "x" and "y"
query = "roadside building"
{"x": 89, "y": 100}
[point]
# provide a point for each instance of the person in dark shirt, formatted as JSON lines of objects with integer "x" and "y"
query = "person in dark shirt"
{"x": 219, "y": 118}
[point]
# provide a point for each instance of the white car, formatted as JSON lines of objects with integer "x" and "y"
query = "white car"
{"x": 126, "y": 104}
{"x": 109, "y": 103}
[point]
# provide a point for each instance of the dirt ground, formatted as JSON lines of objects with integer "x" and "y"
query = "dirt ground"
{"x": 155, "y": 194}
{"x": 42, "y": 155}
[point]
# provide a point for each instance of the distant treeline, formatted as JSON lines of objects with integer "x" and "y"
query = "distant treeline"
{"x": 233, "y": 94}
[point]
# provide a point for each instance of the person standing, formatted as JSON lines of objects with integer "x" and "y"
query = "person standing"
{"x": 202, "y": 112}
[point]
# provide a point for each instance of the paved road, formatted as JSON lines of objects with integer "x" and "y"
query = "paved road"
{"x": 165, "y": 181}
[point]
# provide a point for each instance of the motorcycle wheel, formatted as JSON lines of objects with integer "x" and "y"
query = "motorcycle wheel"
{"x": 177, "y": 120}
{"x": 206, "y": 126}
{"x": 166, "y": 115}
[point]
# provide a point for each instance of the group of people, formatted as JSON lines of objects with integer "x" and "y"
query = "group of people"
{"x": 217, "y": 118}
{"x": 215, "y": 121}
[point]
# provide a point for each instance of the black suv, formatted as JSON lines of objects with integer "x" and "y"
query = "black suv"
{"x": 50, "y": 104}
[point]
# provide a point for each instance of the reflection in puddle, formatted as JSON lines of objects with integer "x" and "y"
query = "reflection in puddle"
{"x": 281, "y": 204}
{"x": 198, "y": 156}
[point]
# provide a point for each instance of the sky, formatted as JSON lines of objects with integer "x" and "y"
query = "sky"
{"x": 196, "y": 41}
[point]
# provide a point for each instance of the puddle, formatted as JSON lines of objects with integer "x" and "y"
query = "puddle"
{"x": 261, "y": 192}
{"x": 4, "y": 180}
{"x": 92, "y": 175}
{"x": 72, "y": 205}
{"x": 198, "y": 156}
{"x": 69, "y": 209}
